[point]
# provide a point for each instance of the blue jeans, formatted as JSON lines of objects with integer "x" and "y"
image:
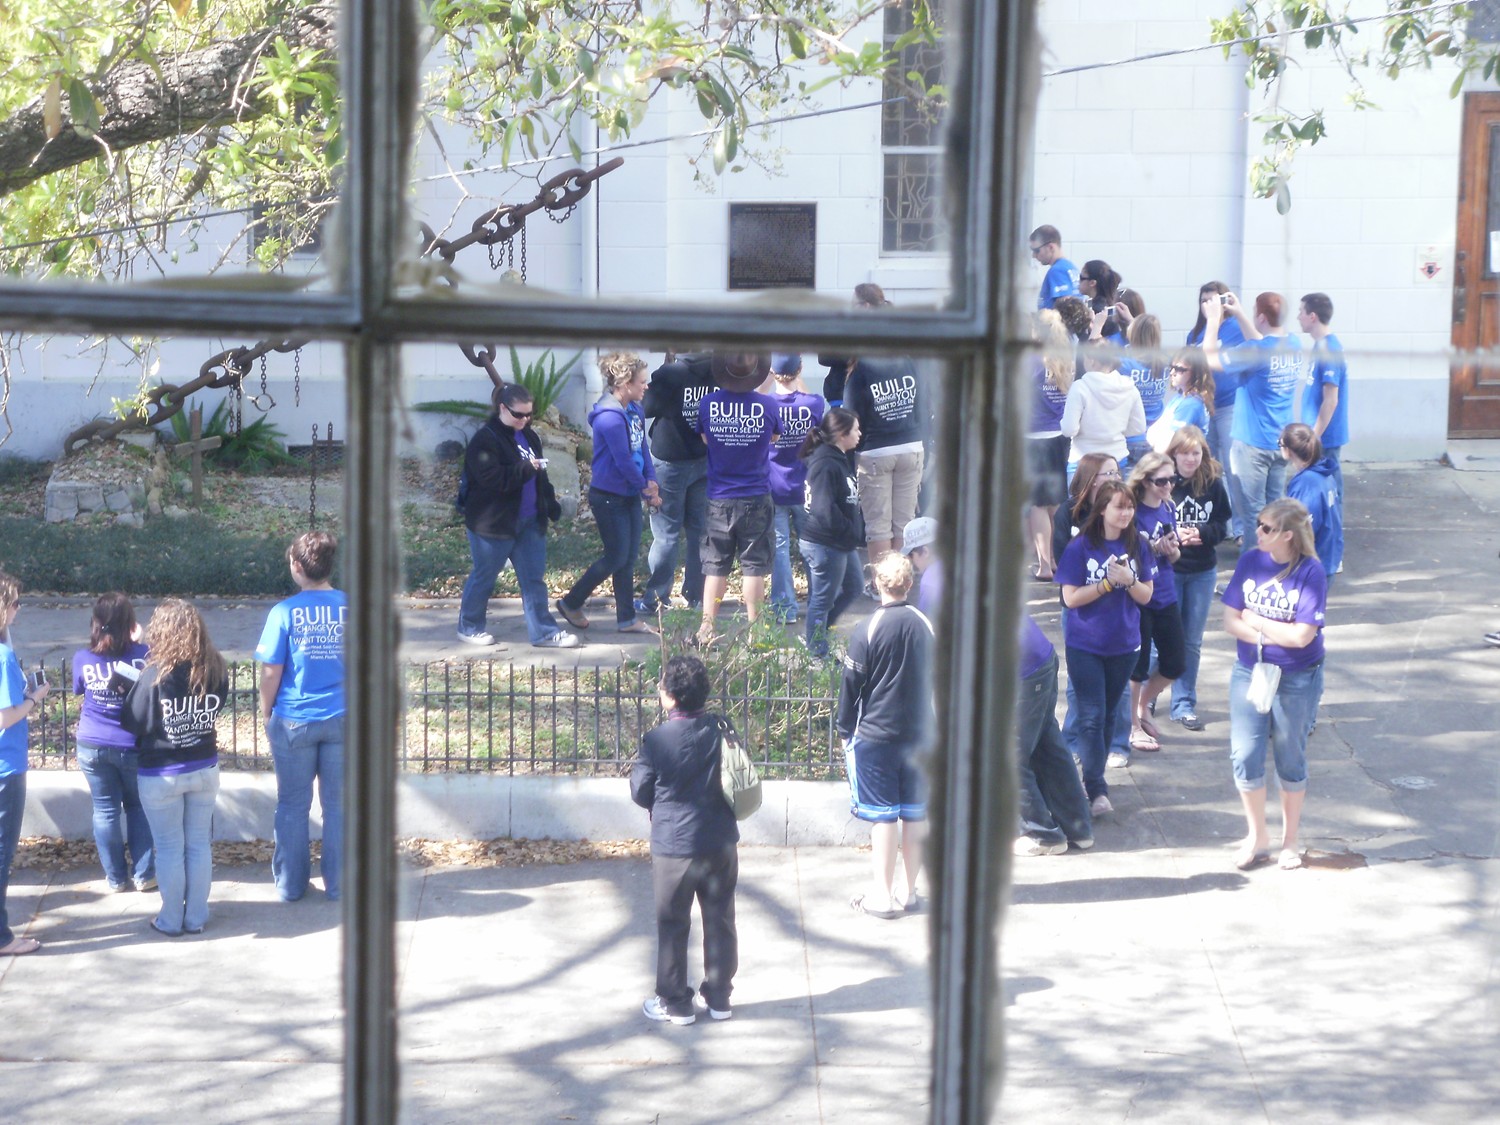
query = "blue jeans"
{"x": 302, "y": 752}
{"x": 683, "y": 486}
{"x": 783, "y": 592}
{"x": 1120, "y": 743}
{"x": 112, "y": 783}
{"x": 1053, "y": 806}
{"x": 1195, "y": 594}
{"x": 1258, "y": 477}
{"x": 1220, "y": 427}
{"x": 180, "y": 807}
{"x": 527, "y": 553}
{"x": 835, "y": 579}
{"x": 620, "y": 521}
{"x": 1099, "y": 683}
{"x": 1284, "y": 727}
{"x": 12, "y": 809}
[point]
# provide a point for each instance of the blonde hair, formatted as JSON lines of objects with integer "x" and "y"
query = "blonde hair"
{"x": 1209, "y": 470}
{"x": 1287, "y": 514}
{"x": 1057, "y": 349}
{"x": 177, "y": 635}
{"x": 1146, "y": 467}
{"x": 893, "y": 574}
{"x": 619, "y": 368}
{"x": 10, "y": 594}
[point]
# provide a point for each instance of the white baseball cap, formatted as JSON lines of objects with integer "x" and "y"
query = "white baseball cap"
{"x": 920, "y": 532}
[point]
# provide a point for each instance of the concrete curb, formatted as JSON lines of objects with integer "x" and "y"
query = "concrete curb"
{"x": 480, "y": 807}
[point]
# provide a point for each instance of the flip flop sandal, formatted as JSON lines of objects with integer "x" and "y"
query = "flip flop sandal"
{"x": 20, "y": 946}
{"x": 858, "y": 904}
{"x": 1140, "y": 740}
{"x": 1249, "y": 861}
{"x": 1290, "y": 860}
{"x": 1150, "y": 728}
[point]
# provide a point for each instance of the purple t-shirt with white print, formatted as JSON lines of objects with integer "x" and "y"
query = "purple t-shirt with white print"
{"x": 1299, "y": 597}
{"x": 99, "y": 714}
{"x": 738, "y": 429}
{"x": 1153, "y": 523}
{"x": 1110, "y": 626}
{"x": 528, "y": 490}
{"x": 797, "y": 414}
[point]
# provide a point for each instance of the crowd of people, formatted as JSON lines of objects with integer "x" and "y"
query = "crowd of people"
{"x": 1144, "y": 460}
{"x": 148, "y": 744}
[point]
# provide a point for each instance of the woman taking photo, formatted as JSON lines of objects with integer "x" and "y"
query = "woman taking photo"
{"x": 106, "y": 751}
{"x": 1046, "y": 445}
{"x": 1314, "y": 480}
{"x": 1106, "y": 575}
{"x": 1100, "y": 287}
{"x": 1230, "y": 335}
{"x": 172, "y": 710}
{"x": 508, "y": 502}
{"x": 1151, "y": 484}
{"x": 18, "y": 703}
{"x": 1190, "y": 401}
{"x": 1274, "y": 608}
{"x": 1202, "y": 503}
{"x": 623, "y": 477}
{"x": 833, "y": 529}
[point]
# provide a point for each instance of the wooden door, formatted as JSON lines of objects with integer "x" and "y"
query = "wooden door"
{"x": 1474, "y": 388}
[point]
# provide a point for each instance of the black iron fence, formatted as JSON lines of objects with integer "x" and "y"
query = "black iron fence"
{"x": 489, "y": 717}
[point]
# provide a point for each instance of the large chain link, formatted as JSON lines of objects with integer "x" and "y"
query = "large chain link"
{"x": 562, "y": 192}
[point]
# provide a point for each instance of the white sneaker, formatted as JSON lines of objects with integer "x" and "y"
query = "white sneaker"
{"x": 715, "y": 1013}
{"x": 1101, "y": 805}
{"x": 1083, "y": 845}
{"x": 1117, "y": 761}
{"x": 483, "y": 640}
{"x": 654, "y": 1009}
{"x": 558, "y": 640}
{"x": 1025, "y": 845}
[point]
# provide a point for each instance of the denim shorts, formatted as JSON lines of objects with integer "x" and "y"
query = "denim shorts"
{"x": 885, "y": 782}
{"x": 1282, "y": 731}
{"x": 741, "y": 528}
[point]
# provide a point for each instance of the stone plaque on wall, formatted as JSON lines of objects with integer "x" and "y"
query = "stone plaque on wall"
{"x": 773, "y": 245}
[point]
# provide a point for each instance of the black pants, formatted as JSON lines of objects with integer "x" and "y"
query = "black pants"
{"x": 677, "y": 880}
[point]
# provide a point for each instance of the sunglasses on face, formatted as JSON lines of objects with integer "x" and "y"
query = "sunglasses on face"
{"x": 519, "y": 414}
{"x": 1162, "y": 482}
{"x": 1035, "y": 250}
{"x": 1176, "y": 367}
{"x": 1267, "y": 528}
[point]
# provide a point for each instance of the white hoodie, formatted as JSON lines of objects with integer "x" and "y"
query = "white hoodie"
{"x": 1102, "y": 407}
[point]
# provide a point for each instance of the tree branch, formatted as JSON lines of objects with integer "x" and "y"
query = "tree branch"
{"x": 141, "y": 104}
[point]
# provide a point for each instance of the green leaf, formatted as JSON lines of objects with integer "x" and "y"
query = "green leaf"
{"x": 82, "y": 107}
{"x": 586, "y": 63}
{"x": 796, "y": 42}
{"x": 1283, "y": 196}
{"x": 1458, "y": 85}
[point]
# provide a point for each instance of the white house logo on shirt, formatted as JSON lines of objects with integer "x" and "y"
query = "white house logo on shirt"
{"x": 852, "y": 495}
{"x": 1098, "y": 569}
{"x": 1271, "y": 600}
{"x": 1191, "y": 511}
{"x": 894, "y": 398}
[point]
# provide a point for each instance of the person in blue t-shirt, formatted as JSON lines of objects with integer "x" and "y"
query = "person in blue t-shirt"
{"x": 738, "y": 425}
{"x": 1267, "y": 368}
{"x": 301, "y": 652}
{"x": 1230, "y": 335}
{"x": 19, "y": 701}
{"x": 1061, "y": 278}
{"x": 1325, "y": 394}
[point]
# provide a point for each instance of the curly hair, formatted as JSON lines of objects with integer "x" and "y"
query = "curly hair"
{"x": 177, "y": 635}
{"x": 685, "y": 679}
{"x": 619, "y": 369}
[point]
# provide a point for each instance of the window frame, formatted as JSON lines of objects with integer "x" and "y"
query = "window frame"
{"x": 979, "y": 332}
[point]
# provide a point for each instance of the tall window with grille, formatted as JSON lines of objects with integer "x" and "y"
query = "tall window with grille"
{"x": 911, "y": 141}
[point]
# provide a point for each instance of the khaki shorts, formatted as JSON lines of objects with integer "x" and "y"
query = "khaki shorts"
{"x": 888, "y": 488}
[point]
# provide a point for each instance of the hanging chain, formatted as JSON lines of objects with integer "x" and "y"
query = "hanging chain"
{"x": 312, "y": 481}
{"x": 523, "y": 255}
{"x": 297, "y": 377}
{"x": 262, "y": 374}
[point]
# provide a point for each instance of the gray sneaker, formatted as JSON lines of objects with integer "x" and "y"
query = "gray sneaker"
{"x": 144, "y": 885}
{"x": 1493, "y": 638}
{"x": 1025, "y": 845}
{"x": 558, "y": 640}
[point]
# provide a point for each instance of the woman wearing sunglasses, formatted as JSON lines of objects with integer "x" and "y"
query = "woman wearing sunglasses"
{"x": 1190, "y": 402}
{"x": 1274, "y": 608}
{"x": 1202, "y": 502}
{"x": 1151, "y": 483}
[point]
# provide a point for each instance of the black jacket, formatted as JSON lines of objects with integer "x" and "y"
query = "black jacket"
{"x": 171, "y": 724}
{"x": 496, "y": 471}
{"x": 833, "y": 382}
{"x": 832, "y": 490}
{"x": 676, "y": 776}
{"x": 671, "y": 403}
{"x": 890, "y": 397}
{"x": 1210, "y": 511}
{"x": 886, "y": 694}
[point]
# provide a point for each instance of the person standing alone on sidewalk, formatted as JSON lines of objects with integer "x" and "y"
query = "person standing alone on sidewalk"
{"x": 694, "y": 845}
{"x": 301, "y": 653}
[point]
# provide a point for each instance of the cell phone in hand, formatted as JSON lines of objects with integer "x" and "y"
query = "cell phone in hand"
{"x": 37, "y": 679}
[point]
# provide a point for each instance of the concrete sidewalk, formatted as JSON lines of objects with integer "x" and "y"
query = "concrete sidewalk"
{"x": 1144, "y": 981}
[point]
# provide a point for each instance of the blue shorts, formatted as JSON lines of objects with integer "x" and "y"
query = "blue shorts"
{"x": 885, "y": 783}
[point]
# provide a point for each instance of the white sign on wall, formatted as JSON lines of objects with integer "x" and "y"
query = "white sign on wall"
{"x": 1432, "y": 261}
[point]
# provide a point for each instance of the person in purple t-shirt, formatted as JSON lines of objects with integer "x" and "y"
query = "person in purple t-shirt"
{"x": 1273, "y": 608}
{"x": 798, "y": 414}
{"x": 1106, "y": 574}
{"x": 107, "y": 756}
{"x": 1151, "y": 483}
{"x": 738, "y": 425}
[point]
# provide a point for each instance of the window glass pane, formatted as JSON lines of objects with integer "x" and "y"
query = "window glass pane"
{"x": 529, "y": 886}
{"x": 151, "y": 512}
{"x": 168, "y": 142}
{"x": 716, "y": 177}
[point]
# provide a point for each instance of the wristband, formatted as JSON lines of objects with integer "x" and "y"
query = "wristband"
{"x": 1105, "y": 587}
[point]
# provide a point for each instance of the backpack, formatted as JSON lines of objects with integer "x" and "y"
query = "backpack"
{"x": 737, "y": 774}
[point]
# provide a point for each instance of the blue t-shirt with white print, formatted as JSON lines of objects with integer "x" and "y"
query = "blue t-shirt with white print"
{"x": 1268, "y": 371}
